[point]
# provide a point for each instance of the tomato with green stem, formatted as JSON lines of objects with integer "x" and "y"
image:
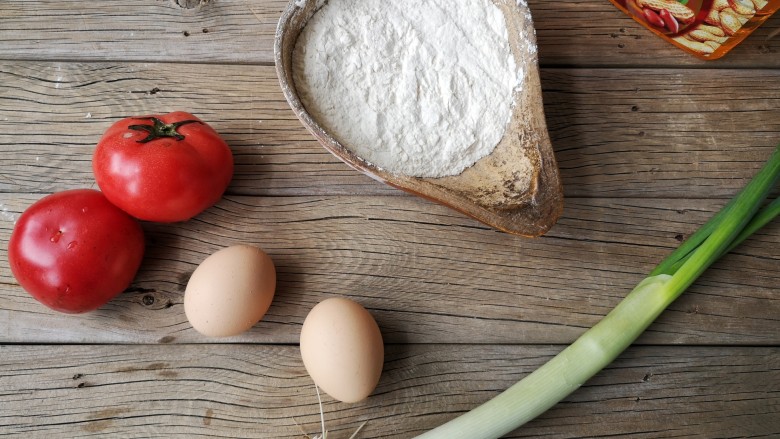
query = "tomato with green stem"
{"x": 163, "y": 168}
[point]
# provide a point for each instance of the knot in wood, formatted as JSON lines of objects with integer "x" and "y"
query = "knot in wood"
{"x": 190, "y": 4}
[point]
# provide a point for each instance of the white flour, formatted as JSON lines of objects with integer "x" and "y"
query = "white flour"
{"x": 416, "y": 87}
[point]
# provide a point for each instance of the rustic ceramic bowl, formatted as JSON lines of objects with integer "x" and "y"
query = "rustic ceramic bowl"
{"x": 499, "y": 189}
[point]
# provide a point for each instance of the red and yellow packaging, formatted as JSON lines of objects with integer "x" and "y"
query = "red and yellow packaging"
{"x": 705, "y": 28}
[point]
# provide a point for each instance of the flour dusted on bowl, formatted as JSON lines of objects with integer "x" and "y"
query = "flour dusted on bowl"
{"x": 416, "y": 87}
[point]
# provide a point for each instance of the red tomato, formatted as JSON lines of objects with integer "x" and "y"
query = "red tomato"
{"x": 163, "y": 168}
{"x": 74, "y": 251}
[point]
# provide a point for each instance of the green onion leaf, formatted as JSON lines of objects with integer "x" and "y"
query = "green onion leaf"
{"x": 602, "y": 343}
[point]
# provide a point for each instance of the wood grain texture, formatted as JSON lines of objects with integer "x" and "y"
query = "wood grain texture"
{"x": 616, "y": 132}
{"x": 585, "y": 33}
{"x": 264, "y": 392}
{"x": 650, "y": 141}
{"x": 429, "y": 274}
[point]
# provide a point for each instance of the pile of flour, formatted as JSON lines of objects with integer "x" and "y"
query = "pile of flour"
{"x": 418, "y": 87}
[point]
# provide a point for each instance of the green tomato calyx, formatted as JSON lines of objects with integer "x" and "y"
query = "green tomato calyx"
{"x": 160, "y": 129}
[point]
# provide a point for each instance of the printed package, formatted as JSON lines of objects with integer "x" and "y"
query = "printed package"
{"x": 705, "y": 28}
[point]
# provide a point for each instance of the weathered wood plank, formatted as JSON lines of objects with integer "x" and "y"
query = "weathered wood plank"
{"x": 429, "y": 274}
{"x": 616, "y": 132}
{"x": 263, "y": 392}
{"x": 241, "y": 31}
{"x": 650, "y": 141}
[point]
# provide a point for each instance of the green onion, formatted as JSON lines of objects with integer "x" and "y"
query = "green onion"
{"x": 601, "y": 344}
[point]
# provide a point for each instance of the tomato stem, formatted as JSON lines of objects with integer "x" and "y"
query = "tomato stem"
{"x": 160, "y": 129}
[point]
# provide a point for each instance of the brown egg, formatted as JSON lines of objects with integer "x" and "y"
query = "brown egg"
{"x": 230, "y": 291}
{"x": 342, "y": 349}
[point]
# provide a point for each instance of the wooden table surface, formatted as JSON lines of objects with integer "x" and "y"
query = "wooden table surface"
{"x": 650, "y": 142}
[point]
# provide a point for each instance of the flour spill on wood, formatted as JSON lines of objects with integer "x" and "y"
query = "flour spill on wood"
{"x": 424, "y": 88}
